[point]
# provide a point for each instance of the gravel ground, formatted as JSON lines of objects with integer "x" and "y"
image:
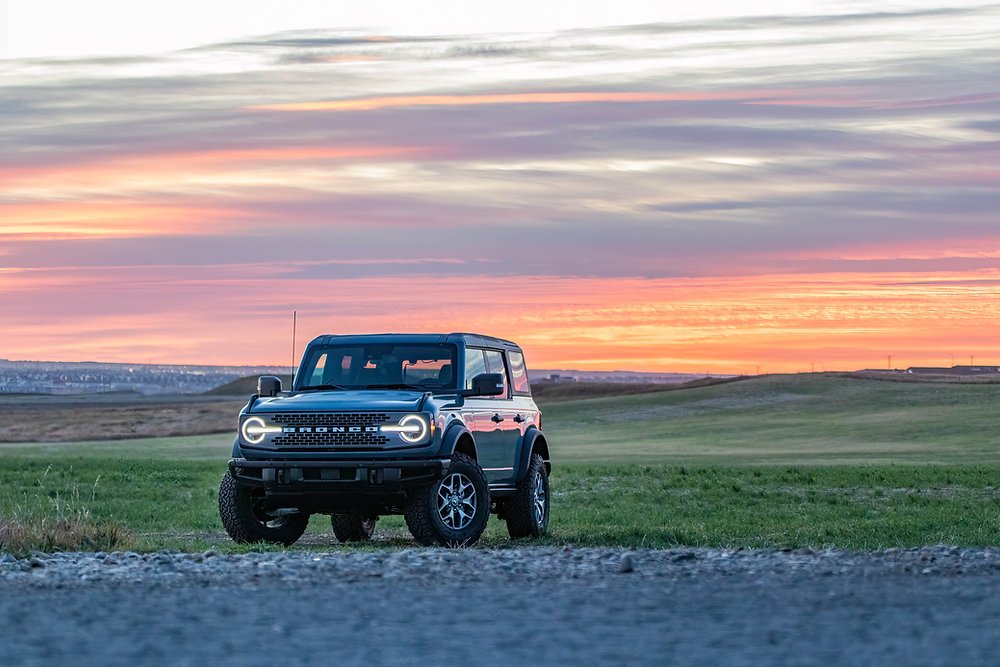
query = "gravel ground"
{"x": 937, "y": 605}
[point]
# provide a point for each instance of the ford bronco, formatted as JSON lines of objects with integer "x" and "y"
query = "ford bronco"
{"x": 440, "y": 428}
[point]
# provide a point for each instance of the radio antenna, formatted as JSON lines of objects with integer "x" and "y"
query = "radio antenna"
{"x": 295, "y": 317}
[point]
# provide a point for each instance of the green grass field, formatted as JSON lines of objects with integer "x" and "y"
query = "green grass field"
{"x": 784, "y": 461}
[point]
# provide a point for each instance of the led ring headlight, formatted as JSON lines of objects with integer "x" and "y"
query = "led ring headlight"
{"x": 411, "y": 428}
{"x": 256, "y": 429}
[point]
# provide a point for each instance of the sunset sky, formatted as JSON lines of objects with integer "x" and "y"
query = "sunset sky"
{"x": 728, "y": 187}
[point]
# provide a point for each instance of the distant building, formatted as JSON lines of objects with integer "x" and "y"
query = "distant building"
{"x": 555, "y": 377}
{"x": 954, "y": 370}
{"x": 53, "y": 377}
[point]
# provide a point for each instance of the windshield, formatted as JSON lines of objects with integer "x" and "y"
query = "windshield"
{"x": 419, "y": 366}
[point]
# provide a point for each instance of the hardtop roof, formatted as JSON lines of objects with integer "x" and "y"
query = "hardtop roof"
{"x": 474, "y": 339}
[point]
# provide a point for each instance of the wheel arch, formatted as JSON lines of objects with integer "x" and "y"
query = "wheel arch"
{"x": 459, "y": 439}
{"x": 534, "y": 443}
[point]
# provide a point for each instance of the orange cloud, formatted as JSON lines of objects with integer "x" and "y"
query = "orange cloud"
{"x": 372, "y": 103}
{"x": 115, "y": 171}
{"x": 730, "y": 325}
{"x": 985, "y": 248}
{"x": 78, "y": 200}
{"x": 103, "y": 218}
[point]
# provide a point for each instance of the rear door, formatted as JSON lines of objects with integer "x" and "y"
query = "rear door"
{"x": 526, "y": 412}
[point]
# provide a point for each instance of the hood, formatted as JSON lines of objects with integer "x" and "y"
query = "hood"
{"x": 374, "y": 400}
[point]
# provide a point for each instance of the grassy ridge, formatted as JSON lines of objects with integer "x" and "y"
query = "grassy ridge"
{"x": 773, "y": 420}
{"x": 814, "y": 419}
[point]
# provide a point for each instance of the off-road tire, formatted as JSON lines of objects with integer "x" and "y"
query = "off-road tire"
{"x": 424, "y": 519}
{"x": 353, "y": 527}
{"x": 522, "y": 508}
{"x": 241, "y": 521}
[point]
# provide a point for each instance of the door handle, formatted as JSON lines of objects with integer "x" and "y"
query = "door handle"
{"x": 519, "y": 419}
{"x": 497, "y": 418}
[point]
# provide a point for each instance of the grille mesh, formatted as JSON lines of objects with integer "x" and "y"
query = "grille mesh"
{"x": 330, "y": 420}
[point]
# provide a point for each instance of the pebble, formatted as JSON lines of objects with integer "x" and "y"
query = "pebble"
{"x": 550, "y": 563}
{"x": 627, "y": 564}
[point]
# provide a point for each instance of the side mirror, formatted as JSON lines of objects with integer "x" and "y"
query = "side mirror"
{"x": 268, "y": 385}
{"x": 487, "y": 384}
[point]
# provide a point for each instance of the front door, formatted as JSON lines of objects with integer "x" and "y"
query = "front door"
{"x": 503, "y": 416}
{"x": 480, "y": 412}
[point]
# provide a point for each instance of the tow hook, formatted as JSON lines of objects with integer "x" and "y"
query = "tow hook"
{"x": 284, "y": 511}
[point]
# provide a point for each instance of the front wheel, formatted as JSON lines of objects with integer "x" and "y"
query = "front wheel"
{"x": 453, "y": 511}
{"x": 527, "y": 511}
{"x": 245, "y": 520}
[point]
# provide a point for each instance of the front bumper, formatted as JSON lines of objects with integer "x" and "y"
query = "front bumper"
{"x": 325, "y": 487}
{"x": 337, "y": 476}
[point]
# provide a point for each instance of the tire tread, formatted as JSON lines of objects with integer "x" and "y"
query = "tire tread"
{"x": 243, "y": 527}
{"x": 420, "y": 512}
{"x": 350, "y": 527}
{"x": 520, "y": 510}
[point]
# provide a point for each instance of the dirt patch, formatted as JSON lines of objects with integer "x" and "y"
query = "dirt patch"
{"x": 65, "y": 420}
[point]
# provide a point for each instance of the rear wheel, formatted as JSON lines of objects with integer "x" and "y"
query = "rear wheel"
{"x": 245, "y": 520}
{"x": 528, "y": 509}
{"x": 453, "y": 511}
{"x": 353, "y": 527}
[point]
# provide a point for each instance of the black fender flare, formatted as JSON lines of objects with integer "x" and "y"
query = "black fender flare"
{"x": 453, "y": 433}
{"x": 237, "y": 452}
{"x": 533, "y": 440}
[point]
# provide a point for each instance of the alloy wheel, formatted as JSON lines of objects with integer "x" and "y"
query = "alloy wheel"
{"x": 538, "y": 499}
{"x": 456, "y": 501}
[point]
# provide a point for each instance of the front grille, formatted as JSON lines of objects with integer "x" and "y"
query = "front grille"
{"x": 330, "y": 420}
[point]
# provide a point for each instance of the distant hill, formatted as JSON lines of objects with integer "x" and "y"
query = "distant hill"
{"x": 617, "y": 377}
{"x": 91, "y": 377}
{"x": 550, "y": 392}
{"x": 540, "y": 389}
{"x": 245, "y": 386}
{"x": 796, "y": 419}
{"x": 902, "y": 376}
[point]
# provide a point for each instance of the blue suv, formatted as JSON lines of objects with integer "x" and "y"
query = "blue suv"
{"x": 440, "y": 428}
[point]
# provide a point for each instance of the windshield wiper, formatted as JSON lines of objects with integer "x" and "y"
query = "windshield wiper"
{"x": 322, "y": 387}
{"x": 403, "y": 385}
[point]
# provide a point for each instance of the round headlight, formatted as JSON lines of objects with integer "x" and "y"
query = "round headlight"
{"x": 415, "y": 428}
{"x": 411, "y": 428}
{"x": 255, "y": 429}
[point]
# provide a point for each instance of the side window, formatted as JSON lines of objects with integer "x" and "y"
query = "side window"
{"x": 318, "y": 371}
{"x": 475, "y": 364}
{"x": 518, "y": 373}
{"x": 494, "y": 360}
